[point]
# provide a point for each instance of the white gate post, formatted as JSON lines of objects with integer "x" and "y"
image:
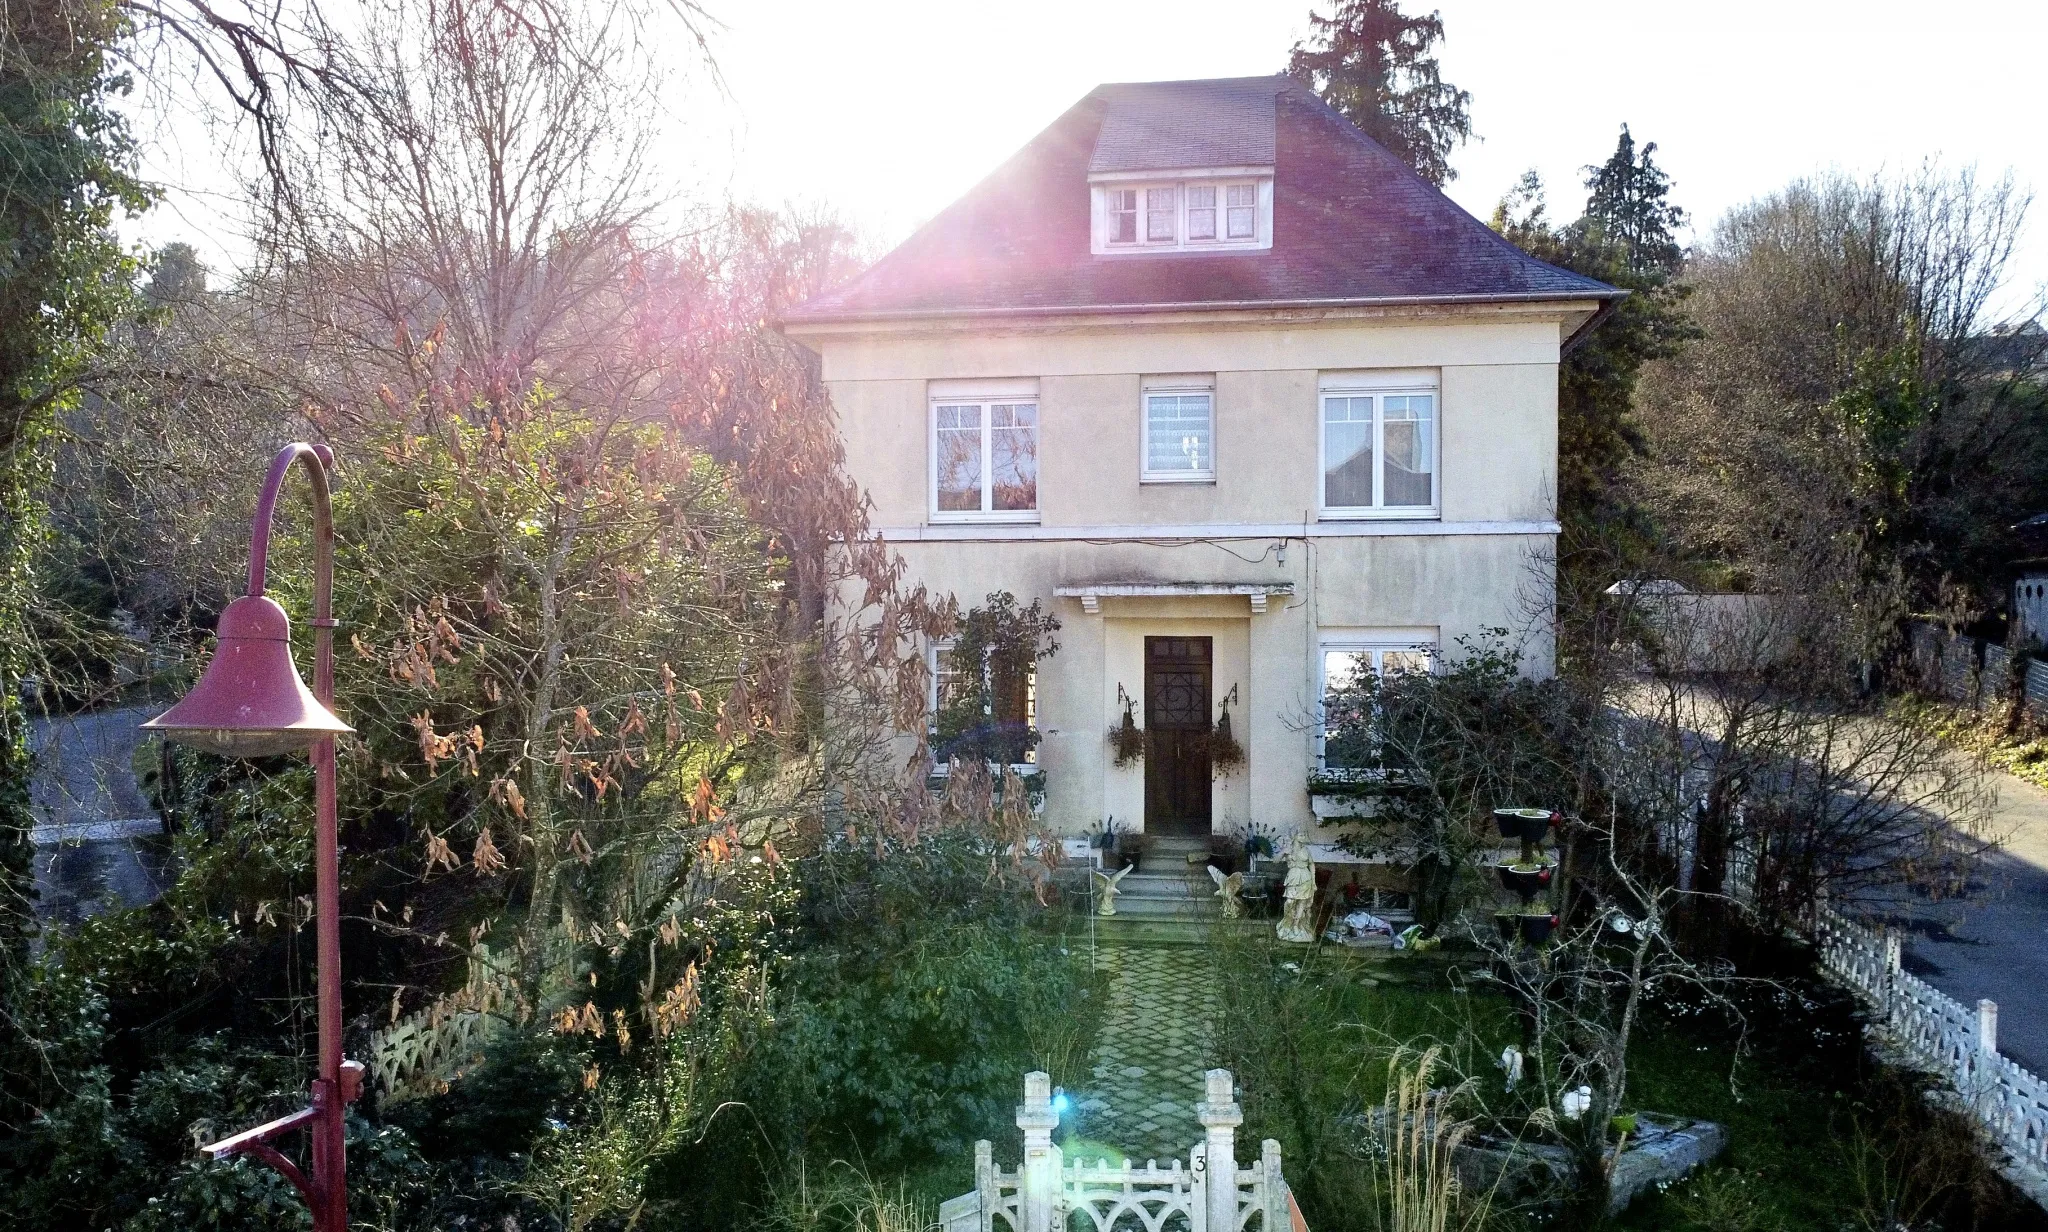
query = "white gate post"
{"x": 1987, "y": 1026}
{"x": 1220, "y": 1116}
{"x": 1894, "y": 955}
{"x": 1040, "y": 1182}
{"x": 985, "y": 1188}
{"x": 1275, "y": 1195}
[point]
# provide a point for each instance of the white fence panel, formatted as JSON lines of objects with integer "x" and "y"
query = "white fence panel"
{"x": 1937, "y": 1033}
{"x": 1047, "y": 1194}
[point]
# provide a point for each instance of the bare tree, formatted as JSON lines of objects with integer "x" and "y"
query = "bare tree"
{"x": 1851, "y": 372}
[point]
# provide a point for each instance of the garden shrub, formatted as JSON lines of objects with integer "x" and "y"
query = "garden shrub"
{"x": 918, "y": 1052}
{"x": 918, "y": 994}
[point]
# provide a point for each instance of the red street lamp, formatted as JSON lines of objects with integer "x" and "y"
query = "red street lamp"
{"x": 250, "y": 702}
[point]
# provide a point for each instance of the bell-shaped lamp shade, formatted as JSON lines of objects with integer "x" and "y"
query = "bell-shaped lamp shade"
{"x": 250, "y": 701}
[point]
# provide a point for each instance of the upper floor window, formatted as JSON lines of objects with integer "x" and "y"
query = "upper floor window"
{"x": 985, "y": 453}
{"x": 1379, "y": 446}
{"x": 1121, "y": 205}
{"x": 1200, "y": 210}
{"x": 1180, "y": 430}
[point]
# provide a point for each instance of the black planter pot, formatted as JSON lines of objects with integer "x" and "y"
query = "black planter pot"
{"x": 1524, "y": 881}
{"x": 1536, "y": 928}
{"x": 1528, "y": 825}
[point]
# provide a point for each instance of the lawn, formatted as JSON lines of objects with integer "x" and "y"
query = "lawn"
{"x": 1821, "y": 1138}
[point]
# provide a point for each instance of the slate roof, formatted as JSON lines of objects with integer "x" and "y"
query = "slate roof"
{"x": 1228, "y": 123}
{"x": 1352, "y": 224}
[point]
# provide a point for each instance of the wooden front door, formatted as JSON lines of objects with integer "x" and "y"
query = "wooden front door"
{"x": 1177, "y": 728}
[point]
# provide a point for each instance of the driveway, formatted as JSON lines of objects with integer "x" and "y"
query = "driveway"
{"x": 1995, "y": 944}
{"x": 92, "y": 823}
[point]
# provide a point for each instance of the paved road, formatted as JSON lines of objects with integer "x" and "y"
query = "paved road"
{"x": 1996, "y": 944}
{"x": 90, "y": 816}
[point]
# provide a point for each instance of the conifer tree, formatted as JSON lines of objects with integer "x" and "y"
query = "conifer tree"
{"x": 1629, "y": 199}
{"x": 1376, "y": 66}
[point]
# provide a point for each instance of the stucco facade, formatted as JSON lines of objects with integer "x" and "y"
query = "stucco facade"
{"x": 1482, "y": 562}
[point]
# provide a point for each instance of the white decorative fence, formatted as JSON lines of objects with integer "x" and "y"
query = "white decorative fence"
{"x": 1935, "y": 1032}
{"x": 1047, "y": 1194}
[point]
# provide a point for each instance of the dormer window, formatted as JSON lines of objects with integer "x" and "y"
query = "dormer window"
{"x": 1162, "y": 214}
{"x": 1123, "y": 215}
{"x": 1244, "y": 211}
{"x": 1228, "y": 208}
{"x": 1202, "y": 212}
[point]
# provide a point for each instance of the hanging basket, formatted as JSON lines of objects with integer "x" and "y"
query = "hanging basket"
{"x": 1127, "y": 739}
{"x": 1225, "y": 753}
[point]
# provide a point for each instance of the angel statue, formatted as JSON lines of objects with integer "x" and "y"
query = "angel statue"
{"x": 1298, "y": 915}
{"x": 1227, "y": 889}
{"x": 1109, "y": 888}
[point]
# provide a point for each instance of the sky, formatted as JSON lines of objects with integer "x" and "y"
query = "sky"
{"x": 886, "y": 111}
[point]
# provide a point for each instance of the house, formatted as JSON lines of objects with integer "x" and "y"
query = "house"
{"x": 1245, "y": 401}
{"x": 2027, "y": 627}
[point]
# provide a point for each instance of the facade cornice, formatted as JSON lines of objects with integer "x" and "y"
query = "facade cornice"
{"x": 983, "y": 532}
{"x": 1420, "y": 309}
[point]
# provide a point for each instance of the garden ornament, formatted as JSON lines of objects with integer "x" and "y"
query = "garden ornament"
{"x": 1511, "y": 1064}
{"x": 1109, "y": 888}
{"x": 251, "y": 702}
{"x": 1575, "y": 1104}
{"x": 1228, "y": 889}
{"x": 1298, "y": 916}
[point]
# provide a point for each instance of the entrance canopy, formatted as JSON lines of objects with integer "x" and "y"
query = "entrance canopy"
{"x": 1092, "y": 594}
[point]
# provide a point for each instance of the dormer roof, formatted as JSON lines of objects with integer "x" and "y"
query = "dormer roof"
{"x": 1351, "y": 224}
{"x": 1174, "y": 126}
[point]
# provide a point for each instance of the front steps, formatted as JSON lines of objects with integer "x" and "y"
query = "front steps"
{"x": 1171, "y": 882}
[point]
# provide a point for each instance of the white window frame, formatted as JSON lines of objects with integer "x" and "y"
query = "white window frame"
{"x": 1378, "y": 386}
{"x": 1106, "y": 216}
{"x": 1182, "y": 386}
{"x": 1376, "y": 642}
{"x": 983, "y": 394}
{"x": 1221, "y": 179}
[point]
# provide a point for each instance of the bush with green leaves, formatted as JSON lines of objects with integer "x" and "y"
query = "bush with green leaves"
{"x": 919, "y": 995}
{"x": 983, "y": 695}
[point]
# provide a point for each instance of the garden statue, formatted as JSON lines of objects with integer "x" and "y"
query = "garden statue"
{"x": 1298, "y": 916}
{"x": 1511, "y": 1064}
{"x": 1109, "y": 888}
{"x": 1228, "y": 889}
{"x": 1575, "y": 1104}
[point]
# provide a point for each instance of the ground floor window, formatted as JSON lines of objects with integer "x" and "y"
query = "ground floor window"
{"x": 982, "y": 709}
{"x": 1350, "y": 671}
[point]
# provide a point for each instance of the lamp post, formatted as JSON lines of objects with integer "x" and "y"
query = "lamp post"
{"x": 250, "y": 702}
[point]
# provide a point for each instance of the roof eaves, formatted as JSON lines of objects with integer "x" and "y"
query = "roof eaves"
{"x": 1608, "y": 305}
{"x": 1609, "y": 294}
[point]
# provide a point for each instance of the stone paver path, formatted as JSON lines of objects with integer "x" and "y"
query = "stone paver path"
{"x": 1148, "y": 1062}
